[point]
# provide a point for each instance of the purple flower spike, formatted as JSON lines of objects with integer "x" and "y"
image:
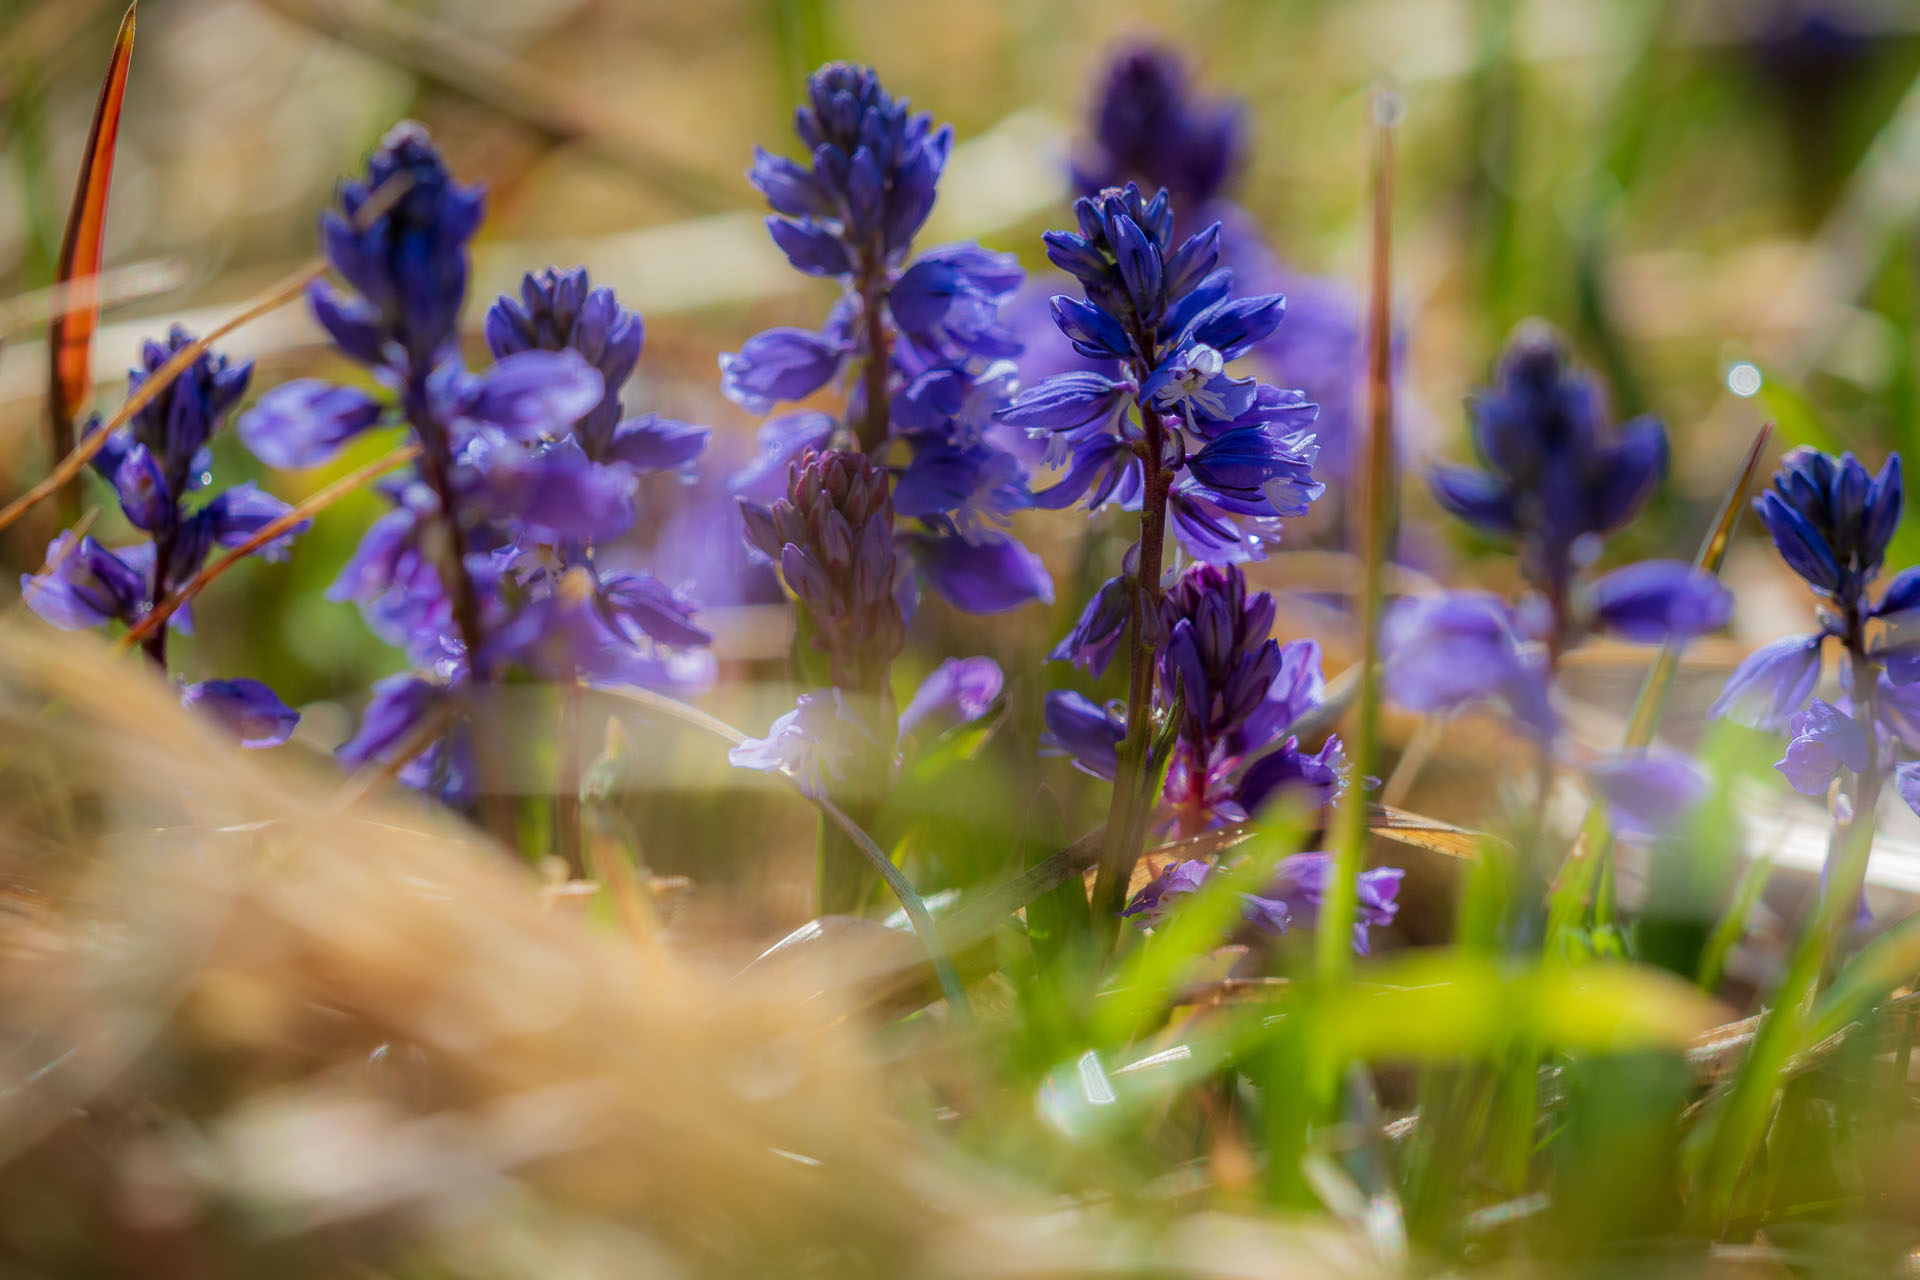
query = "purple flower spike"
{"x": 1159, "y": 318}
{"x": 248, "y": 709}
{"x": 1825, "y": 741}
{"x": 408, "y": 263}
{"x": 959, "y": 691}
{"x": 1773, "y": 683}
{"x": 1556, "y": 475}
{"x": 1659, "y": 600}
{"x": 810, "y": 744}
{"x": 832, "y": 536}
{"x": 1151, "y": 125}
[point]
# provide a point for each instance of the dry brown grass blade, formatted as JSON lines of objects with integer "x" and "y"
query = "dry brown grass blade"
{"x": 1404, "y": 827}
{"x": 299, "y": 514}
{"x": 70, "y": 466}
{"x": 70, "y": 333}
{"x": 109, "y": 288}
{"x": 279, "y": 295}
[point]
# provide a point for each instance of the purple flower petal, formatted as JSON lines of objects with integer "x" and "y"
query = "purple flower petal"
{"x": 536, "y": 394}
{"x": 1906, "y": 780}
{"x": 653, "y": 443}
{"x": 958, "y": 691}
{"x": 399, "y": 703}
{"x": 779, "y": 441}
{"x": 990, "y": 574}
{"x": 1772, "y": 683}
{"x": 812, "y": 248}
{"x": 1090, "y": 735}
{"x": 1443, "y": 652}
{"x": 1097, "y": 634}
{"x": 85, "y": 585}
{"x": 1066, "y": 401}
{"x": 248, "y": 709}
{"x": 1648, "y": 796}
{"x": 779, "y": 364}
{"x": 1659, "y": 600}
{"x": 304, "y": 423}
{"x": 1478, "y": 497}
{"x": 1825, "y": 741}
{"x": 244, "y": 510}
{"x": 639, "y": 602}
{"x": 810, "y": 744}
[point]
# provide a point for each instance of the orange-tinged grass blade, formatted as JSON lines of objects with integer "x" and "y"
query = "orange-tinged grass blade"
{"x": 301, "y": 512}
{"x": 160, "y": 379}
{"x": 70, "y": 466}
{"x": 1373, "y": 524}
{"x": 70, "y": 335}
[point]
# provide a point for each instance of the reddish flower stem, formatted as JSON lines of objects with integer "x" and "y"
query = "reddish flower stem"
{"x": 1130, "y": 806}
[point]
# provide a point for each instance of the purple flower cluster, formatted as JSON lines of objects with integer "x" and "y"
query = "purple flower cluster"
{"x": 156, "y": 465}
{"x": 1151, "y": 125}
{"x": 1239, "y": 691}
{"x": 1291, "y": 898}
{"x": 1237, "y": 455}
{"x": 832, "y": 536}
{"x": 924, "y": 336}
{"x": 1557, "y": 482}
{"x": 490, "y": 558}
{"x": 1831, "y": 521}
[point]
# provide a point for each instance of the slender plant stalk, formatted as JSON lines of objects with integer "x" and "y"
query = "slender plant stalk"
{"x": 1130, "y": 805}
{"x": 1741, "y": 1125}
{"x": 1373, "y": 531}
{"x": 155, "y": 643}
{"x": 874, "y": 425}
{"x": 566, "y": 810}
{"x": 1593, "y": 850}
{"x": 489, "y": 744}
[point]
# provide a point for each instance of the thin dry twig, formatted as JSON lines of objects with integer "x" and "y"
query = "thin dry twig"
{"x": 279, "y": 295}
